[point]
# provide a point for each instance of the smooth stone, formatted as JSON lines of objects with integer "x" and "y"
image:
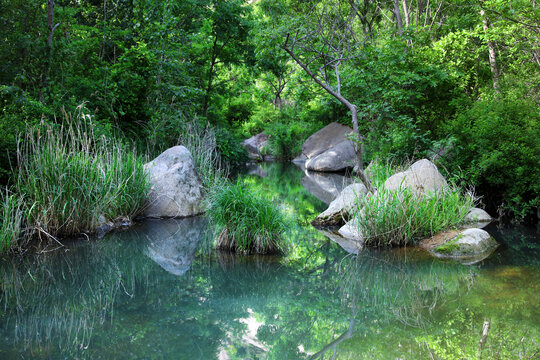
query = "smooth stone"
{"x": 341, "y": 207}
{"x": 337, "y": 158}
{"x": 422, "y": 177}
{"x": 469, "y": 242}
{"x": 255, "y": 144}
{"x": 349, "y": 245}
{"x": 324, "y": 139}
{"x": 175, "y": 187}
{"x": 324, "y": 186}
{"x": 477, "y": 215}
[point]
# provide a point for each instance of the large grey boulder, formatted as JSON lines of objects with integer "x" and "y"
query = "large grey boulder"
{"x": 337, "y": 158}
{"x": 329, "y": 149}
{"x": 173, "y": 243}
{"x": 324, "y": 186}
{"x": 176, "y": 190}
{"x": 340, "y": 209}
{"x": 422, "y": 177}
{"x": 254, "y": 146}
{"x": 470, "y": 242}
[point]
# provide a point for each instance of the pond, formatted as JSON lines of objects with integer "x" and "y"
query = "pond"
{"x": 159, "y": 291}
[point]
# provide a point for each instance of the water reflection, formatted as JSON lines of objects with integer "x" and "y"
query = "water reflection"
{"x": 173, "y": 243}
{"x": 150, "y": 293}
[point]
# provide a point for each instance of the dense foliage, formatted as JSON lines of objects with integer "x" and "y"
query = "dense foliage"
{"x": 449, "y": 78}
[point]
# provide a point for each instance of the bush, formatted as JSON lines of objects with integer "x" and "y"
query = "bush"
{"x": 70, "y": 177}
{"x": 399, "y": 217}
{"x": 496, "y": 149}
{"x": 246, "y": 221}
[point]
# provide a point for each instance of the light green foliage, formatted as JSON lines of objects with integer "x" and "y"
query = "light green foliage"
{"x": 399, "y": 217}
{"x": 246, "y": 221}
{"x": 69, "y": 178}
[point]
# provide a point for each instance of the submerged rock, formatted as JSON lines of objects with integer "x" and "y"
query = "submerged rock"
{"x": 176, "y": 190}
{"x": 477, "y": 215}
{"x": 421, "y": 177}
{"x": 470, "y": 242}
{"x": 329, "y": 149}
{"x": 173, "y": 243}
{"x": 340, "y": 208}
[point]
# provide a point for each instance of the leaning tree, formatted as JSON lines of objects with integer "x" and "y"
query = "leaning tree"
{"x": 323, "y": 42}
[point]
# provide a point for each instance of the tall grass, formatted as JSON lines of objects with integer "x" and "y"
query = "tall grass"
{"x": 246, "y": 221}
{"x": 11, "y": 219}
{"x": 70, "y": 177}
{"x": 396, "y": 218}
{"x": 201, "y": 142}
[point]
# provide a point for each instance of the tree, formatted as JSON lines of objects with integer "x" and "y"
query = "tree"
{"x": 322, "y": 43}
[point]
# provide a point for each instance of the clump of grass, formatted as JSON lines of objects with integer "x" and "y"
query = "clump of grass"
{"x": 70, "y": 177}
{"x": 11, "y": 219}
{"x": 246, "y": 221}
{"x": 399, "y": 217}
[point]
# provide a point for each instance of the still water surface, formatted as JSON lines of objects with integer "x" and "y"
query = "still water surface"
{"x": 158, "y": 291}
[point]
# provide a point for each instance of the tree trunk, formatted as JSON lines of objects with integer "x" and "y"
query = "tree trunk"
{"x": 492, "y": 55}
{"x": 397, "y": 13}
{"x": 358, "y": 144}
{"x": 210, "y": 78}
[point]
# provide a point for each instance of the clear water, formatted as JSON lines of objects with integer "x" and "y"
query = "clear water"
{"x": 158, "y": 291}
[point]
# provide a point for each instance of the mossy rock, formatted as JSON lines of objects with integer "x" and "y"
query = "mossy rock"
{"x": 468, "y": 243}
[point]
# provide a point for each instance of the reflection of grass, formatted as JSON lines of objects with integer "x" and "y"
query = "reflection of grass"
{"x": 249, "y": 223}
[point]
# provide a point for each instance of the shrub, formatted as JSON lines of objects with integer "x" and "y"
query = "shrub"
{"x": 246, "y": 221}
{"x": 496, "y": 148}
{"x": 11, "y": 219}
{"x": 70, "y": 177}
{"x": 399, "y": 217}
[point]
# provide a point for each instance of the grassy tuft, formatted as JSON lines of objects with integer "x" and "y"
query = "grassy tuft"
{"x": 247, "y": 222}
{"x": 397, "y": 218}
{"x": 70, "y": 177}
{"x": 11, "y": 220}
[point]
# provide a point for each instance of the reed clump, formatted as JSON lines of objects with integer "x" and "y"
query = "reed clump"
{"x": 400, "y": 217}
{"x": 70, "y": 178}
{"x": 12, "y": 217}
{"x": 246, "y": 221}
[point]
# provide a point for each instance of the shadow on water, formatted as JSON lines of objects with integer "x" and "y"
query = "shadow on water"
{"x": 157, "y": 291}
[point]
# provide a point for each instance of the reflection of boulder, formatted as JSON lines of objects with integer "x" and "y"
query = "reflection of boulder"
{"x": 329, "y": 149}
{"x": 340, "y": 209}
{"x": 349, "y": 245}
{"x": 325, "y": 187}
{"x": 172, "y": 244}
{"x": 176, "y": 190}
{"x": 256, "y": 170}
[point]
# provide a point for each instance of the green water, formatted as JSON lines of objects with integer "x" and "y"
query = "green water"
{"x": 158, "y": 291}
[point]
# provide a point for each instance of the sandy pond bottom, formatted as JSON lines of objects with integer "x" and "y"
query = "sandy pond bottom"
{"x": 158, "y": 291}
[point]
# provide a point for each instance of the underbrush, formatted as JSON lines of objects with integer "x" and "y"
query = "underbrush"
{"x": 397, "y": 218}
{"x": 70, "y": 177}
{"x": 246, "y": 222}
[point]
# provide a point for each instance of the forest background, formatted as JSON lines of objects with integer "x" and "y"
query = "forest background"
{"x": 457, "y": 80}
